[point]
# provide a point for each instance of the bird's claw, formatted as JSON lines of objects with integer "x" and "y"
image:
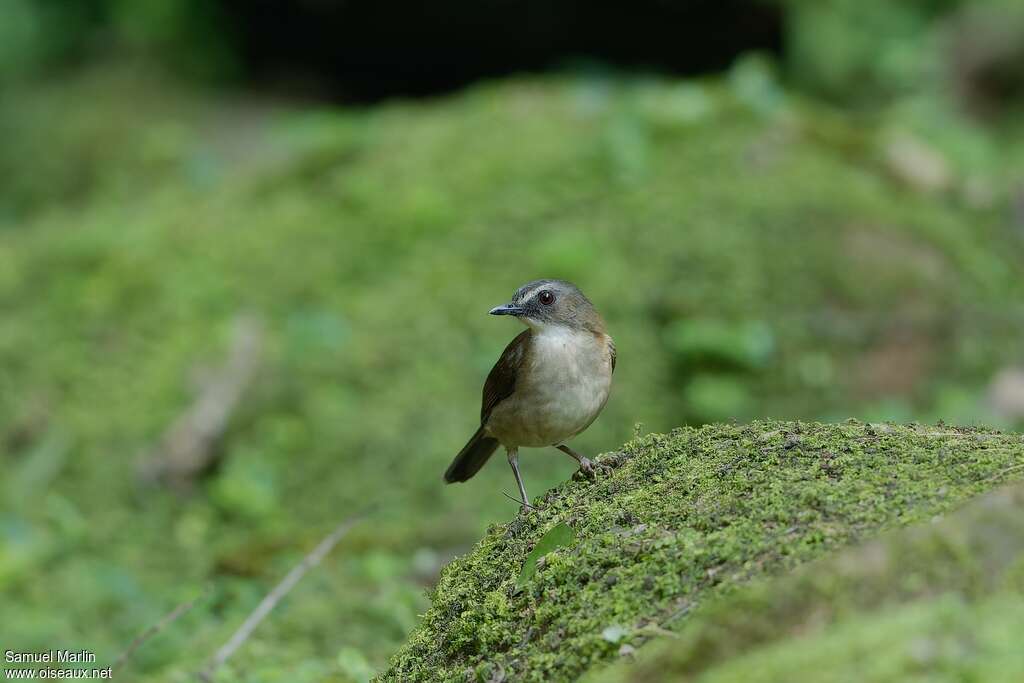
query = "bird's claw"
{"x": 590, "y": 470}
{"x": 586, "y": 470}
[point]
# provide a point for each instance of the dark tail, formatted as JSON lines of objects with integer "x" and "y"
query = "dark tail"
{"x": 471, "y": 458}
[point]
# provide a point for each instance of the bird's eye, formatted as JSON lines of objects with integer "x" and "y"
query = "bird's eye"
{"x": 546, "y": 298}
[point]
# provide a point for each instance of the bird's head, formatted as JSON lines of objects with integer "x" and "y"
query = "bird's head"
{"x": 547, "y": 303}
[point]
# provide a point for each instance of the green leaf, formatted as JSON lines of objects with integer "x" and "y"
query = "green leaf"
{"x": 557, "y": 536}
{"x": 354, "y": 665}
{"x": 614, "y": 633}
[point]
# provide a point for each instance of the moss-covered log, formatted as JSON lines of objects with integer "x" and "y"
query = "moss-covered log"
{"x": 679, "y": 520}
{"x": 938, "y": 601}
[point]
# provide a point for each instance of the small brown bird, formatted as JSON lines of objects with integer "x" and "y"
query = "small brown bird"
{"x": 550, "y": 383}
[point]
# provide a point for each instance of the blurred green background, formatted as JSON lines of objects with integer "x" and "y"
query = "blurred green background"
{"x": 824, "y": 221}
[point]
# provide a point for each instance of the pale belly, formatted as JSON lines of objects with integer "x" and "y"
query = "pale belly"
{"x": 562, "y": 394}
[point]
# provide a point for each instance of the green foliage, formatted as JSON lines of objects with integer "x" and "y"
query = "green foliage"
{"x": 684, "y": 519}
{"x": 37, "y": 36}
{"x": 927, "y": 63}
{"x": 864, "y": 51}
{"x": 354, "y": 666}
{"x": 746, "y": 345}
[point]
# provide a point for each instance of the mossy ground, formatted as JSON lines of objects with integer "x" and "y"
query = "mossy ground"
{"x": 941, "y": 601}
{"x": 680, "y": 520}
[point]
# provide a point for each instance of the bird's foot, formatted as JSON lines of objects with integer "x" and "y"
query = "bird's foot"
{"x": 587, "y": 467}
{"x": 590, "y": 469}
{"x": 586, "y": 470}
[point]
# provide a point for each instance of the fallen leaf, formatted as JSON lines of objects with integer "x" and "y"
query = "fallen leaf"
{"x": 614, "y": 633}
{"x": 557, "y": 536}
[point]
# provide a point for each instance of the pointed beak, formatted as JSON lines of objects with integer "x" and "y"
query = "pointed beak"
{"x": 506, "y": 309}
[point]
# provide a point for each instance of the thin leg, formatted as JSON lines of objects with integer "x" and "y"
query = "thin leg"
{"x": 513, "y": 460}
{"x": 586, "y": 466}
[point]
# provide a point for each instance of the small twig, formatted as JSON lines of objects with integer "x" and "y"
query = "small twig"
{"x": 164, "y": 622}
{"x": 189, "y": 446}
{"x": 656, "y": 630}
{"x": 1002, "y": 473}
{"x": 678, "y": 613}
{"x": 280, "y": 590}
{"x": 521, "y": 502}
{"x": 526, "y": 637}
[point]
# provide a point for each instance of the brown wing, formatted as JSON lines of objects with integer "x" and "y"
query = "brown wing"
{"x": 501, "y": 381}
{"x": 611, "y": 351}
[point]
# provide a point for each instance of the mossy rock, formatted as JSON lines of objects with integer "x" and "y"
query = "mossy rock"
{"x": 679, "y": 520}
{"x": 938, "y": 601}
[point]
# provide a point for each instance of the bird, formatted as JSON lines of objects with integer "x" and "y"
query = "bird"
{"x": 550, "y": 383}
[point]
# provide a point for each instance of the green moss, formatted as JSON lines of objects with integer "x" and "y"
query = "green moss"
{"x": 934, "y": 602}
{"x": 681, "y": 519}
{"x": 946, "y": 639}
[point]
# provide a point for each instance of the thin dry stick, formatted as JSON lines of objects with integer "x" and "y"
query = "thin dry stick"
{"x": 521, "y": 502}
{"x": 166, "y": 621}
{"x": 189, "y": 446}
{"x": 1002, "y": 473}
{"x": 684, "y": 609}
{"x": 280, "y": 590}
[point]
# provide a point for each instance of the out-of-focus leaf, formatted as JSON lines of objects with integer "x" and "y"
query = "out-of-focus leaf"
{"x": 754, "y": 83}
{"x": 718, "y": 397}
{"x": 744, "y": 345}
{"x": 354, "y": 666}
